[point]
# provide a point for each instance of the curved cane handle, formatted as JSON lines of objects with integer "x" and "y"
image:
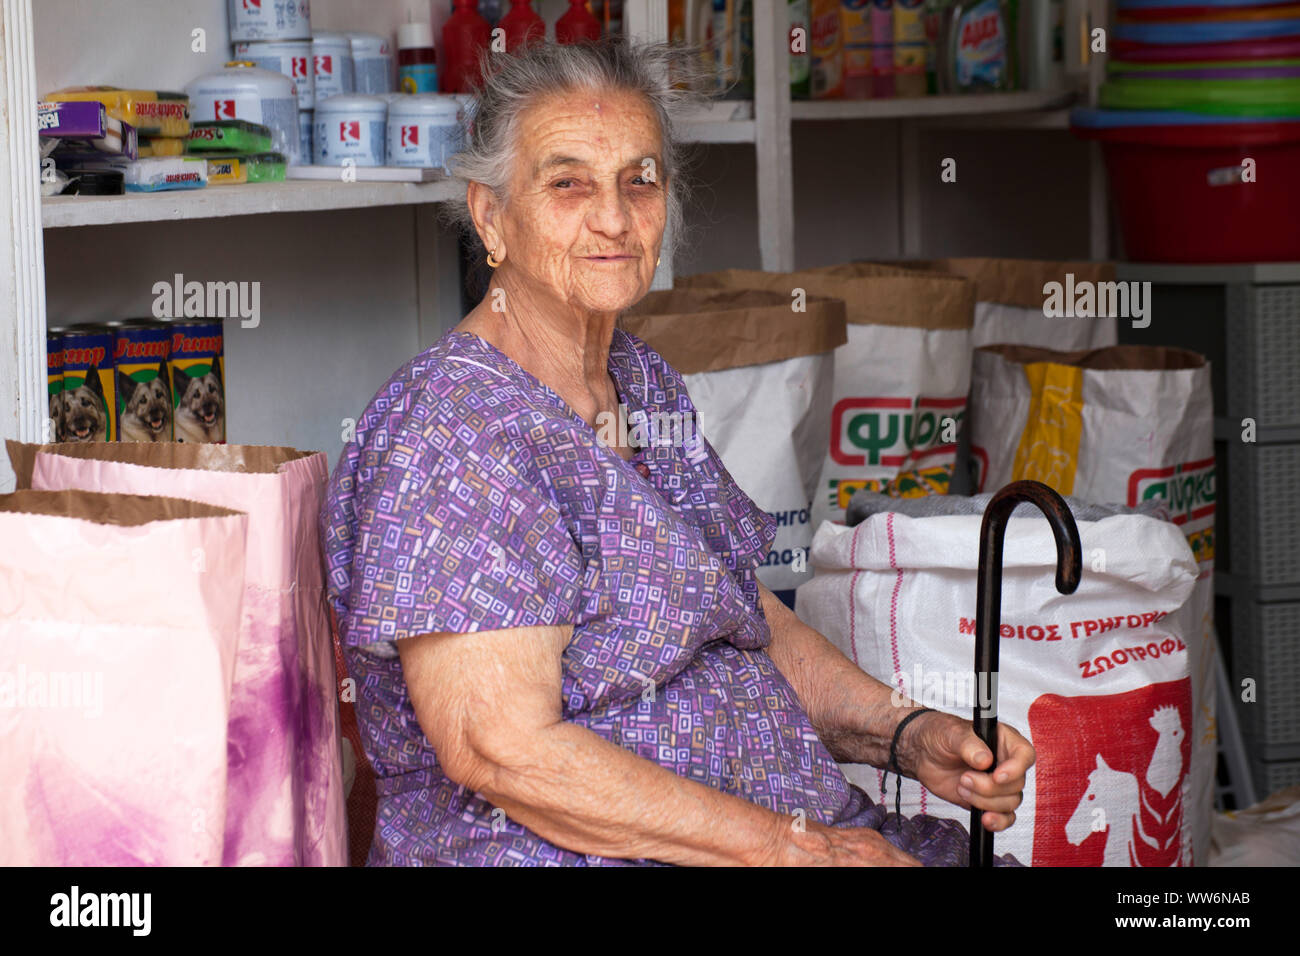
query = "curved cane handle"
{"x": 988, "y": 613}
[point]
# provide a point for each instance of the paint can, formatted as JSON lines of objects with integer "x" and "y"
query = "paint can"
{"x": 269, "y": 19}
{"x": 290, "y": 57}
{"x": 351, "y": 127}
{"x": 423, "y": 130}
{"x": 246, "y": 92}
{"x": 373, "y": 65}
{"x": 306, "y": 126}
{"x": 331, "y": 57}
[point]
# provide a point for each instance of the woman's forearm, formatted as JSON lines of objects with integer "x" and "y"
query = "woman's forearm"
{"x": 489, "y": 704}
{"x": 586, "y": 794}
{"x": 854, "y": 714}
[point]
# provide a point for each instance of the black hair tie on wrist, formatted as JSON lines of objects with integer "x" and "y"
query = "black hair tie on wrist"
{"x": 893, "y": 763}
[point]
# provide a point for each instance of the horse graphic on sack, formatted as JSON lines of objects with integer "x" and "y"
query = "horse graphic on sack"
{"x": 1110, "y": 778}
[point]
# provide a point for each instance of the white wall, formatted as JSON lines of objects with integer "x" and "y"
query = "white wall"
{"x": 338, "y": 306}
{"x": 1019, "y": 193}
{"x": 65, "y": 29}
{"x": 340, "y": 290}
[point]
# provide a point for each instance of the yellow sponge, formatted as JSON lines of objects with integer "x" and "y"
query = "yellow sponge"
{"x": 151, "y": 112}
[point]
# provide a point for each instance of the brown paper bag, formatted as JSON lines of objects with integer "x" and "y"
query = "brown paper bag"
{"x": 900, "y": 380}
{"x": 760, "y": 376}
{"x": 1011, "y": 295}
{"x": 285, "y": 791}
{"x": 119, "y": 626}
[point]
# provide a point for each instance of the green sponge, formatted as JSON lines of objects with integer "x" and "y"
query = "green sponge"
{"x": 230, "y": 136}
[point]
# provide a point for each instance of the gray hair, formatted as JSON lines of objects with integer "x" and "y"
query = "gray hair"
{"x": 664, "y": 74}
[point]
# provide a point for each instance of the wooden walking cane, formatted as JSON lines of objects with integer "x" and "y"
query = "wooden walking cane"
{"x": 988, "y": 614}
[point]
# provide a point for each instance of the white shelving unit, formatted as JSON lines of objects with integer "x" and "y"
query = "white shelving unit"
{"x": 248, "y": 200}
{"x": 359, "y": 273}
{"x": 979, "y": 105}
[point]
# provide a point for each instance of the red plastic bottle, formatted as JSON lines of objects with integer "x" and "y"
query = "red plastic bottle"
{"x": 577, "y": 25}
{"x": 464, "y": 36}
{"x": 522, "y": 25}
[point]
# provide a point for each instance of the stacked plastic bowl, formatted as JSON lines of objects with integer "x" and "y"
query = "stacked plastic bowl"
{"x": 1199, "y": 120}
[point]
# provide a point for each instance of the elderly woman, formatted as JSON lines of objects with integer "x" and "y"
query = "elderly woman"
{"x": 561, "y": 651}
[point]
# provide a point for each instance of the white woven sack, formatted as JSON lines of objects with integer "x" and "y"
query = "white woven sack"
{"x": 1099, "y": 680}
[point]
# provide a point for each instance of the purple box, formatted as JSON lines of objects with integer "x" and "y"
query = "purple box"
{"x": 83, "y": 120}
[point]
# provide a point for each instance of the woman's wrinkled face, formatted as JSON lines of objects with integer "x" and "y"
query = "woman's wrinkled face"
{"x": 586, "y": 207}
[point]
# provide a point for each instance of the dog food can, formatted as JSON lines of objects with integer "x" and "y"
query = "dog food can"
{"x": 423, "y": 130}
{"x": 306, "y": 127}
{"x": 350, "y": 128}
{"x": 248, "y": 93}
{"x": 54, "y": 382}
{"x": 89, "y": 396}
{"x": 331, "y": 57}
{"x": 372, "y": 63}
{"x": 198, "y": 368}
{"x": 144, "y": 399}
{"x": 269, "y": 19}
{"x": 290, "y": 57}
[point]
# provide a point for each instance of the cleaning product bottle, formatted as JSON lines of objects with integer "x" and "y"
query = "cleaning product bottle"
{"x": 464, "y": 36}
{"x": 577, "y": 24}
{"x": 979, "y": 47}
{"x": 743, "y": 50}
{"x": 746, "y": 38}
{"x": 934, "y": 14}
{"x": 724, "y": 44}
{"x": 855, "y": 25}
{"x": 417, "y": 64}
{"x": 1042, "y": 46}
{"x": 679, "y": 34}
{"x": 827, "y": 50}
{"x": 612, "y": 17}
{"x": 909, "y": 48}
{"x": 522, "y": 25}
{"x": 882, "y": 48}
{"x": 676, "y": 21}
{"x": 800, "y": 53}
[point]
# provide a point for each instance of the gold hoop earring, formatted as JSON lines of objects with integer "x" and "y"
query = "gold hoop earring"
{"x": 658, "y": 259}
{"x": 492, "y": 259}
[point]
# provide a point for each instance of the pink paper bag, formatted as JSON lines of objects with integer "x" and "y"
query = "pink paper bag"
{"x": 119, "y": 619}
{"x": 285, "y": 803}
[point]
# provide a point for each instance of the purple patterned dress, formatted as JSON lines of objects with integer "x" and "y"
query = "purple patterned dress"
{"x": 473, "y": 498}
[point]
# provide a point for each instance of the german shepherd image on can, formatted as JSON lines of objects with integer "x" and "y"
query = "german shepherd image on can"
{"x": 89, "y": 397}
{"x": 198, "y": 382}
{"x": 54, "y": 384}
{"x": 144, "y": 390}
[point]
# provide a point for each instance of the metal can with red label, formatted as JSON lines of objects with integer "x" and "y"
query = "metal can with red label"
{"x": 89, "y": 393}
{"x": 198, "y": 369}
{"x": 144, "y": 395}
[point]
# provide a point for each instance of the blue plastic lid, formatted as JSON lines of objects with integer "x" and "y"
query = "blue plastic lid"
{"x": 1224, "y": 31}
{"x": 1090, "y": 118}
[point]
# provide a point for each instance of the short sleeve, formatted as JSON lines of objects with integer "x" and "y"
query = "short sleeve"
{"x": 437, "y": 527}
{"x": 736, "y": 527}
